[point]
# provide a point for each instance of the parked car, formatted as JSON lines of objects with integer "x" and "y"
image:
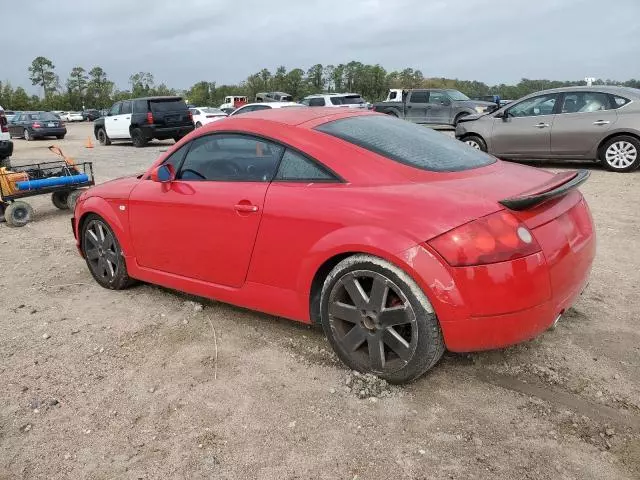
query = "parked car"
{"x": 394, "y": 95}
{"x": 234, "y": 101}
{"x": 344, "y": 100}
{"x": 273, "y": 97}
{"x": 433, "y": 106}
{"x": 32, "y": 125}
{"x": 9, "y": 114}
{"x": 90, "y": 115}
{"x": 493, "y": 99}
{"x": 204, "y": 115}
{"x": 140, "y": 120}
{"x": 396, "y": 257}
{"x": 71, "y": 116}
{"x": 254, "y": 107}
{"x": 6, "y": 145}
{"x": 227, "y": 110}
{"x": 597, "y": 123}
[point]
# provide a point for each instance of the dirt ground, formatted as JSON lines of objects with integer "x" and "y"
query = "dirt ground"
{"x": 99, "y": 384}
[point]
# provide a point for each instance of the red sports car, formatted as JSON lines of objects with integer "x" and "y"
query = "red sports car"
{"x": 400, "y": 241}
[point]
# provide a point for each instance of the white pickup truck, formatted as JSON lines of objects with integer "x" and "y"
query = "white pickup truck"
{"x": 6, "y": 145}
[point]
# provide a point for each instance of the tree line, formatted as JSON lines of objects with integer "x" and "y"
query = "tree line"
{"x": 92, "y": 89}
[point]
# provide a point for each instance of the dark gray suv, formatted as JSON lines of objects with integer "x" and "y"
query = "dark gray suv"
{"x": 598, "y": 123}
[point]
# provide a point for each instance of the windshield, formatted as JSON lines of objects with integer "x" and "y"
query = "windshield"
{"x": 456, "y": 95}
{"x": 407, "y": 143}
{"x": 215, "y": 111}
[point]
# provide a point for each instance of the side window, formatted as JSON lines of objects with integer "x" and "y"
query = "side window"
{"x": 295, "y": 167}
{"x": 419, "y": 97}
{"x": 439, "y": 98}
{"x": 115, "y": 110}
{"x": 176, "y": 157}
{"x": 305, "y": 102}
{"x": 231, "y": 158}
{"x": 584, "y": 102}
{"x": 542, "y": 105}
{"x": 140, "y": 106}
{"x": 260, "y": 107}
{"x": 316, "y": 102}
{"x": 619, "y": 101}
{"x": 126, "y": 108}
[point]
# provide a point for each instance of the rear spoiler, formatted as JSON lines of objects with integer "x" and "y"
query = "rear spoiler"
{"x": 557, "y": 186}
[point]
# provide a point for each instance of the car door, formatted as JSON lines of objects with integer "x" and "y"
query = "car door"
{"x": 439, "y": 108}
{"x": 203, "y": 225}
{"x": 583, "y": 120}
{"x": 123, "y": 120}
{"x": 14, "y": 127}
{"x": 525, "y": 128}
{"x": 416, "y": 106}
{"x": 111, "y": 121}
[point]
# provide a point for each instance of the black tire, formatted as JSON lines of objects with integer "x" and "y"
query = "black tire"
{"x": 458, "y": 117}
{"x": 392, "y": 114}
{"x": 177, "y": 138}
{"x": 198, "y": 124}
{"x": 474, "y": 141}
{"x": 103, "y": 255}
{"x": 72, "y": 199}
{"x": 59, "y": 199}
{"x": 102, "y": 137}
{"x": 5, "y": 162}
{"x": 60, "y": 137}
{"x": 27, "y": 136}
{"x": 621, "y": 154}
{"x": 391, "y": 317}
{"x": 137, "y": 138}
{"x": 18, "y": 214}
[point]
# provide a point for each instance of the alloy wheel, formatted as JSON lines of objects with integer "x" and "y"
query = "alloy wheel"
{"x": 473, "y": 144}
{"x": 100, "y": 250}
{"x": 621, "y": 154}
{"x": 372, "y": 321}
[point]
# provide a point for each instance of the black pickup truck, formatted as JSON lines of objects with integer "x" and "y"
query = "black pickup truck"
{"x": 434, "y": 106}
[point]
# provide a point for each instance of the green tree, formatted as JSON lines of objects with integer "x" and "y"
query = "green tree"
{"x": 265, "y": 78}
{"x": 42, "y": 73}
{"x": 20, "y": 100}
{"x": 99, "y": 89}
{"x": 76, "y": 87}
{"x": 315, "y": 78}
{"x": 142, "y": 84}
{"x": 294, "y": 81}
{"x": 278, "y": 81}
{"x": 201, "y": 93}
{"x": 338, "y": 78}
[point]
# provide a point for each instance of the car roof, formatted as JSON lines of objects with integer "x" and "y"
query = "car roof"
{"x": 299, "y": 116}
{"x": 271, "y": 104}
{"x": 167, "y": 97}
{"x": 343, "y": 94}
{"x": 615, "y": 89}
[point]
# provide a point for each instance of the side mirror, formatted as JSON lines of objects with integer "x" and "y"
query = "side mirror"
{"x": 163, "y": 173}
{"x": 503, "y": 115}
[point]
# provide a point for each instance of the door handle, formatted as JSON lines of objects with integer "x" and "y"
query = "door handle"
{"x": 128, "y": 118}
{"x": 602, "y": 122}
{"x": 409, "y": 106}
{"x": 246, "y": 208}
{"x": 115, "y": 119}
{"x": 541, "y": 125}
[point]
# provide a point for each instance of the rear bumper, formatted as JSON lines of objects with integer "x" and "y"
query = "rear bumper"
{"x": 163, "y": 133}
{"x": 6, "y": 148}
{"x": 48, "y": 132}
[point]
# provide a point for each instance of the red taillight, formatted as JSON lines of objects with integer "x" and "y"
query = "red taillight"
{"x": 190, "y": 116}
{"x": 3, "y": 124}
{"x": 36, "y": 125}
{"x": 498, "y": 237}
{"x": 150, "y": 118}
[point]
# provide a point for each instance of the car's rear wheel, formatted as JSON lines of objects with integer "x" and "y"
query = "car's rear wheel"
{"x": 392, "y": 114}
{"x": 18, "y": 214}
{"x": 621, "y": 154}
{"x": 198, "y": 124}
{"x": 27, "y": 135}
{"x": 59, "y": 199}
{"x": 476, "y": 142}
{"x": 378, "y": 320}
{"x": 103, "y": 255}
{"x": 102, "y": 137}
{"x": 137, "y": 138}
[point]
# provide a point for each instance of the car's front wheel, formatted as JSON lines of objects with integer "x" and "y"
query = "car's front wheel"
{"x": 621, "y": 154}
{"x": 476, "y": 142}
{"x": 103, "y": 255}
{"x": 378, "y": 320}
{"x": 103, "y": 138}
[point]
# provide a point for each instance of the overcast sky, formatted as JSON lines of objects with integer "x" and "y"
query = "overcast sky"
{"x": 184, "y": 41}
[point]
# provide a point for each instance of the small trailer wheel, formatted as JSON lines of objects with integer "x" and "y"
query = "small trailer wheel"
{"x": 72, "y": 199}
{"x": 59, "y": 199}
{"x": 18, "y": 214}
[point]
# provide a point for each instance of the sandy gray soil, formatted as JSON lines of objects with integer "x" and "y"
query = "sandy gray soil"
{"x": 100, "y": 384}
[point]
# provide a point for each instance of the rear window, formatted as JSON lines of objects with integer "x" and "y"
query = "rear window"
{"x": 407, "y": 143}
{"x": 43, "y": 116}
{"x": 347, "y": 100}
{"x": 167, "y": 105}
